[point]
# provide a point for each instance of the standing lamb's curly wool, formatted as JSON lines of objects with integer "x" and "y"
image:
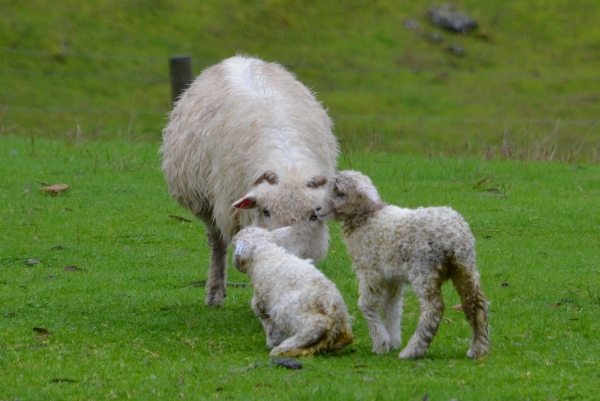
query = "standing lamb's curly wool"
{"x": 247, "y": 133}
{"x": 391, "y": 247}
{"x": 291, "y": 297}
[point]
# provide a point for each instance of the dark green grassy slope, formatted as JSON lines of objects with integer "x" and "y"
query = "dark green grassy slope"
{"x": 527, "y": 85}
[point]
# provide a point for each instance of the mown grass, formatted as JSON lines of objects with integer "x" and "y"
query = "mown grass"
{"x": 529, "y": 72}
{"x": 128, "y": 324}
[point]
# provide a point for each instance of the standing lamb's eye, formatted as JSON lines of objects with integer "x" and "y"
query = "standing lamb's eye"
{"x": 339, "y": 195}
{"x": 313, "y": 217}
{"x": 266, "y": 213}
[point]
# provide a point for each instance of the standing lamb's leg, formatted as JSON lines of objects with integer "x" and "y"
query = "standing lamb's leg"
{"x": 369, "y": 304}
{"x": 217, "y": 276}
{"x": 432, "y": 310}
{"x": 274, "y": 335}
{"x": 392, "y": 313}
{"x": 474, "y": 303}
{"x": 303, "y": 342}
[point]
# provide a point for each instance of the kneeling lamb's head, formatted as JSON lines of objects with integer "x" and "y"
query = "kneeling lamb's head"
{"x": 290, "y": 201}
{"x": 349, "y": 194}
{"x": 247, "y": 241}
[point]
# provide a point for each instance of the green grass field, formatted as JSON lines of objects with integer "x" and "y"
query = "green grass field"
{"x": 127, "y": 324}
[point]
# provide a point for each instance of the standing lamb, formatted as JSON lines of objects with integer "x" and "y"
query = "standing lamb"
{"x": 247, "y": 133}
{"x": 290, "y": 295}
{"x": 391, "y": 247}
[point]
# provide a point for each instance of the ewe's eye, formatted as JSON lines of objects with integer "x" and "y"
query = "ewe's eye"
{"x": 266, "y": 213}
{"x": 313, "y": 217}
{"x": 340, "y": 195}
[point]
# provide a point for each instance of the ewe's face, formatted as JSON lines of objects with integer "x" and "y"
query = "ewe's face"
{"x": 279, "y": 205}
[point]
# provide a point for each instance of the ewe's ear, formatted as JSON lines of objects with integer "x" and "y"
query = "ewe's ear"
{"x": 247, "y": 202}
{"x": 270, "y": 176}
{"x": 281, "y": 236}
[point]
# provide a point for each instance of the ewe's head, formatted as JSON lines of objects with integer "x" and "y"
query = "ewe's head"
{"x": 290, "y": 202}
{"x": 246, "y": 242}
{"x": 349, "y": 194}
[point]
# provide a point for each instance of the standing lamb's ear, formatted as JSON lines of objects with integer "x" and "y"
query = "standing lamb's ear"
{"x": 241, "y": 254}
{"x": 367, "y": 190}
{"x": 270, "y": 176}
{"x": 248, "y": 201}
{"x": 317, "y": 181}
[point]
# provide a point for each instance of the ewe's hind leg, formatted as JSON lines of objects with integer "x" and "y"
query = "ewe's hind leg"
{"x": 432, "y": 310}
{"x": 217, "y": 275}
{"x": 392, "y": 313}
{"x": 305, "y": 342}
{"x": 474, "y": 305}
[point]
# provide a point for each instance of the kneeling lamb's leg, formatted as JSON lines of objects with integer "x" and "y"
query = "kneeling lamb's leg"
{"x": 474, "y": 305}
{"x": 217, "y": 276}
{"x": 392, "y": 312}
{"x": 274, "y": 335}
{"x": 305, "y": 341}
{"x": 369, "y": 303}
{"x": 432, "y": 310}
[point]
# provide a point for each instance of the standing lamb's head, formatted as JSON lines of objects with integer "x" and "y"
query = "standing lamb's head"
{"x": 349, "y": 195}
{"x": 290, "y": 202}
{"x": 247, "y": 241}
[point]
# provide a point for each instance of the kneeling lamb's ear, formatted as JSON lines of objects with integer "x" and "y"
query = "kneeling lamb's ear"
{"x": 282, "y": 236}
{"x": 241, "y": 254}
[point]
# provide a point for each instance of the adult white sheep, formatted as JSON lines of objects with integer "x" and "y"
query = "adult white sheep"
{"x": 301, "y": 310}
{"x": 249, "y": 127}
{"x": 391, "y": 247}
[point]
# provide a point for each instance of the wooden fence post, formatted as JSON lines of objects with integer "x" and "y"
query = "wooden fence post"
{"x": 180, "y": 68}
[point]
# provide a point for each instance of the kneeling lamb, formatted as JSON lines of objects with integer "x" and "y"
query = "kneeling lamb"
{"x": 290, "y": 295}
{"x": 391, "y": 247}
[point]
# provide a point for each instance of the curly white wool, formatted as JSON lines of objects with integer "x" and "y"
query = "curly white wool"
{"x": 302, "y": 311}
{"x": 391, "y": 247}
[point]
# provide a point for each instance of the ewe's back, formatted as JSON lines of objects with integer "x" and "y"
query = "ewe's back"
{"x": 240, "y": 118}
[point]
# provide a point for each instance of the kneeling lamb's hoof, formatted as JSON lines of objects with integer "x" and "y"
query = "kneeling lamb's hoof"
{"x": 412, "y": 353}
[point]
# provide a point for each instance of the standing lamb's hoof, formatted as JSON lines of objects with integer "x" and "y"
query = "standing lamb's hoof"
{"x": 476, "y": 352}
{"x": 412, "y": 353}
{"x": 381, "y": 348}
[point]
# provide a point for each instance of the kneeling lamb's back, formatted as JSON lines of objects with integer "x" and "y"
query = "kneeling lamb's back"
{"x": 391, "y": 247}
{"x": 302, "y": 311}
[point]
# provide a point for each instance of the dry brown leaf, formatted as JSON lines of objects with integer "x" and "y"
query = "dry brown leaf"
{"x": 55, "y": 189}
{"x": 457, "y": 307}
{"x": 71, "y": 268}
{"x": 41, "y": 330}
{"x": 556, "y": 305}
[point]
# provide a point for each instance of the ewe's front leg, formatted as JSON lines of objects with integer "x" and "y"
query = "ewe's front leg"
{"x": 217, "y": 276}
{"x": 432, "y": 310}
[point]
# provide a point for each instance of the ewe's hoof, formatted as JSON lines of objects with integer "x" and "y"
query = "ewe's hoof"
{"x": 214, "y": 300}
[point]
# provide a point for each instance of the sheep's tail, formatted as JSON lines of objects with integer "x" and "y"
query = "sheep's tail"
{"x": 475, "y": 305}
